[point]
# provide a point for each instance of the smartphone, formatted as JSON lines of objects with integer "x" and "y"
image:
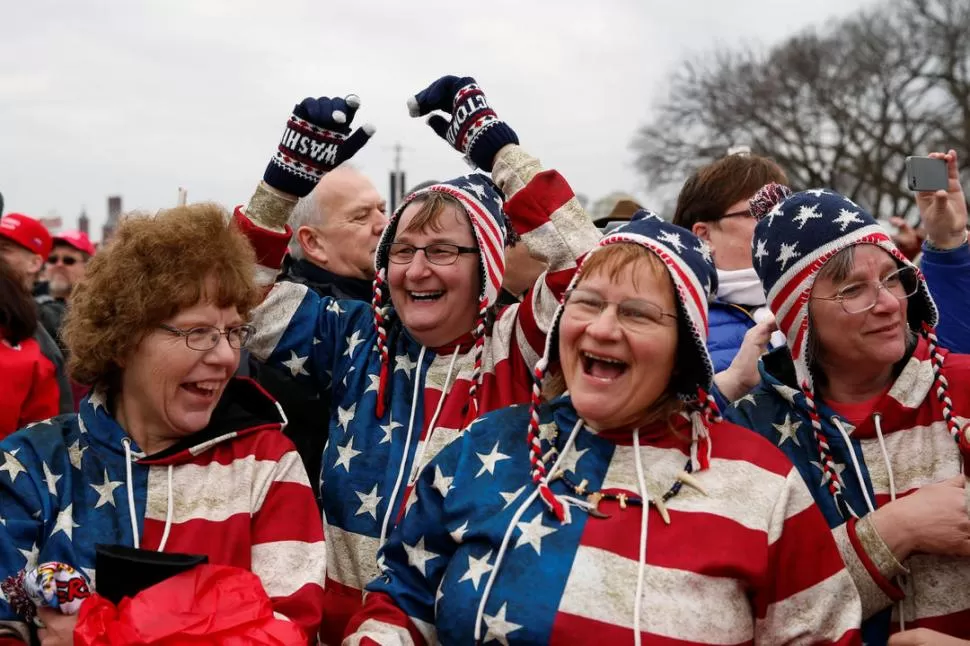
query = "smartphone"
{"x": 926, "y": 174}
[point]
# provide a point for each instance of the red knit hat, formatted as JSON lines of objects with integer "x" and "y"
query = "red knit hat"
{"x": 27, "y": 232}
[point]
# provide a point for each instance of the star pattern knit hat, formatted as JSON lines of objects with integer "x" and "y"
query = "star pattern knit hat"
{"x": 793, "y": 240}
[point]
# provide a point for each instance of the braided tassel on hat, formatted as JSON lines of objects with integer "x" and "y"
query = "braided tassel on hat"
{"x": 472, "y": 407}
{"x": 381, "y": 323}
{"x": 539, "y": 475}
{"x": 942, "y": 385}
{"x": 832, "y": 479}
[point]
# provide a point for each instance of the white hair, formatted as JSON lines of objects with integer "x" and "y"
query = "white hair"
{"x": 305, "y": 213}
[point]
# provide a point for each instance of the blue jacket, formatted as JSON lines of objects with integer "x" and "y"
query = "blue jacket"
{"x": 727, "y": 324}
{"x": 948, "y": 277}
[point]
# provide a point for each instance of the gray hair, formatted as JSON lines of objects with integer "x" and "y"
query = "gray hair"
{"x": 307, "y": 212}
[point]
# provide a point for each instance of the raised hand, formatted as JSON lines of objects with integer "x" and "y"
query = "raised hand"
{"x": 944, "y": 213}
{"x": 474, "y": 129}
{"x": 738, "y": 379}
{"x": 316, "y": 140}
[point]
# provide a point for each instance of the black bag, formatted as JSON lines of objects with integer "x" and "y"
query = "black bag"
{"x": 125, "y": 571}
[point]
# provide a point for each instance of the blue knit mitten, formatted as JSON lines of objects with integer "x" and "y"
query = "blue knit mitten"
{"x": 474, "y": 130}
{"x": 317, "y": 139}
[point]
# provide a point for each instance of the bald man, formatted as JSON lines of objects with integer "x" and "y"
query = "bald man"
{"x": 336, "y": 229}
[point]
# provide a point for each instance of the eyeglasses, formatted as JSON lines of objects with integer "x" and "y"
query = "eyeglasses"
{"x": 67, "y": 261}
{"x": 634, "y": 315}
{"x": 205, "y": 338}
{"x": 737, "y": 214}
{"x": 439, "y": 253}
{"x": 862, "y": 297}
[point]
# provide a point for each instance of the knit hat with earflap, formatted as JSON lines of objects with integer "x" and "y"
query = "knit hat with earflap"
{"x": 688, "y": 261}
{"x": 792, "y": 242}
{"x": 482, "y": 203}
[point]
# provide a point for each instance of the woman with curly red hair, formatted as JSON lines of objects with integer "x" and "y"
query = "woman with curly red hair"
{"x": 168, "y": 453}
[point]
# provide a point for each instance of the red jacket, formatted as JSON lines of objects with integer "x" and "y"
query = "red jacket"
{"x": 28, "y": 386}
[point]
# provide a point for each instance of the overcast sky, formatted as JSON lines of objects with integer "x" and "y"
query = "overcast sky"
{"x": 140, "y": 97}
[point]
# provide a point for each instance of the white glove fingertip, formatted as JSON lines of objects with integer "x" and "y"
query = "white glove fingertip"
{"x": 352, "y": 100}
{"x": 369, "y": 128}
{"x": 339, "y": 116}
{"x": 413, "y": 108}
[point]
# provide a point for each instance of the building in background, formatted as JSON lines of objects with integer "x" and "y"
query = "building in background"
{"x": 114, "y": 216}
{"x": 84, "y": 223}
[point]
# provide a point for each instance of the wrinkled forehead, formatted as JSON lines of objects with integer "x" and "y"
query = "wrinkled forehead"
{"x": 857, "y": 262}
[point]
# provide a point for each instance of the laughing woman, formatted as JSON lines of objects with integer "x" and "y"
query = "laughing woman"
{"x": 632, "y": 513}
{"x": 168, "y": 453}
{"x": 432, "y": 351}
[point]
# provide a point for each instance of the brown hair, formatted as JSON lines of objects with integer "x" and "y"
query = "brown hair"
{"x": 433, "y": 205}
{"x": 611, "y": 261}
{"x": 18, "y": 314}
{"x": 709, "y": 192}
{"x": 153, "y": 268}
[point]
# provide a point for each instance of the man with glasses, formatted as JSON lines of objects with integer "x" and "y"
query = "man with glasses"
{"x": 24, "y": 244}
{"x": 65, "y": 268}
{"x": 336, "y": 230}
{"x": 713, "y": 204}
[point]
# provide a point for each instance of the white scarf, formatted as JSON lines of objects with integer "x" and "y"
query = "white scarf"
{"x": 740, "y": 286}
{"x": 743, "y": 287}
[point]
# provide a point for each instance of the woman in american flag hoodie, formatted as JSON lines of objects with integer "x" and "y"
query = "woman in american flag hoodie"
{"x": 868, "y": 405}
{"x": 168, "y": 453}
{"x": 407, "y": 372}
{"x": 624, "y": 512}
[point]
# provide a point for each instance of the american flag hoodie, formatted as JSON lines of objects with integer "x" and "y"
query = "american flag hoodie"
{"x": 236, "y": 492}
{"x": 748, "y": 560}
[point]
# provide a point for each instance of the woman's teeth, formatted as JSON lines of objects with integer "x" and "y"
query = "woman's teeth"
{"x": 606, "y": 368}
{"x": 425, "y": 296}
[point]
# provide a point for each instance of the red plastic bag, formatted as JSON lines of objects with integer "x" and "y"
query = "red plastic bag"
{"x": 209, "y": 604}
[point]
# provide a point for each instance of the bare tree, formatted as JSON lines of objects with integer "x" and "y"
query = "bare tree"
{"x": 839, "y": 107}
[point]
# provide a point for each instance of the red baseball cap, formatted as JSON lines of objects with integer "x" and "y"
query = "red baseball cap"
{"x": 27, "y": 232}
{"x": 76, "y": 239}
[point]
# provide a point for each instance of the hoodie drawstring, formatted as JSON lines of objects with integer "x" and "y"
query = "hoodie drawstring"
{"x": 644, "y": 515}
{"x": 391, "y": 507}
{"x": 855, "y": 466}
{"x": 434, "y": 418}
{"x": 130, "y": 487}
{"x": 131, "y": 492}
{"x": 169, "y": 512}
{"x": 480, "y": 615}
{"x": 877, "y": 420}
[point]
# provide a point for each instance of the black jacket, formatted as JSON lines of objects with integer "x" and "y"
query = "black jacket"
{"x": 307, "y": 410}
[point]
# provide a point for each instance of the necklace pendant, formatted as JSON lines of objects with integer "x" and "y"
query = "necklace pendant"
{"x": 623, "y": 499}
{"x": 594, "y": 500}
